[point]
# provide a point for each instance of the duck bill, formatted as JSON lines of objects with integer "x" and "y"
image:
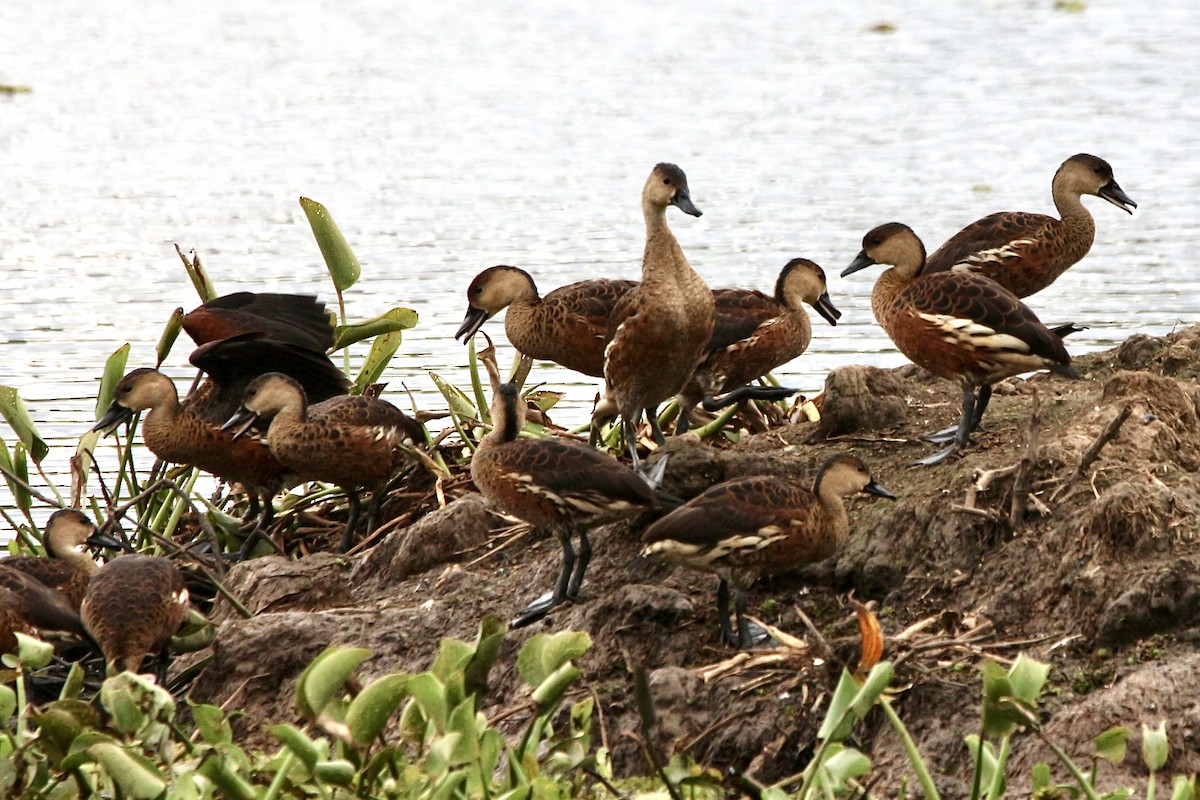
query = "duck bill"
{"x": 102, "y": 541}
{"x": 683, "y": 200}
{"x": 114, "y": 416}
{"x": 877, "y": 490}
{"x": 240, "y": 422}
{"x": 1114, "y": 194}
{"x": 826, "y": 309}
{"x": 861, "y": 261}
{"x": 471, "y": 323}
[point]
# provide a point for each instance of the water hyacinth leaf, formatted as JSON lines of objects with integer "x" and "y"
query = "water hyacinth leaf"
{"x": 324, "y": 678}
{"x": 462, "y": 722}
{"x": 8, "y": 703}
{"x": 382, "y": 350}
{"x": 430, "y": 696}
{"x": 550, "y": 691}
{"x": 114, "y": 370}
{"x": 545, "y": 653}
{"x": 1183, "y": 788}
{"x": 487, "y": 645}
{"x": 304, "y": 748}
{"x": 452, "y": 656}
{"x": 339, "y": 772}
{"x": 393, "y": 321}
{"x": 12, "y": 408}
{"x": 73, "y": 685}
{"x": 166, "y": 339}
{"x": 845, "y": 765}
{"x": 1155, "y": 747}
{"x": 211, "y": 723}
{"x": 57, "y": 729}
{"x": 1040, "y": 777}
{"x": 999, "y": 717}
{"x": 544, "y": 399}
{"x": 33, "y": 652}
{"x": 1112, "y": 744}
{"x": 838, "y": 720}
{"x": 1028, "y": 677}
{"x": 872, "y": 688}
{"x": 135, "y": 775}
{"x": 21, "y": 494}
{"x": 340, "y": 260}
{"x": 374, "y": 706}
{"x": 460, "y": 404}
{"x": 988, "y": 764}
{"x": 81, "y": 465}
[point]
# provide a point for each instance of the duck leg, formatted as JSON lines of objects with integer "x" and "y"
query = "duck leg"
{"x": 655, "y": 428}
{"x": 351, "y": 521}
{"x": 582, "y": 557}
{"x": 770, "y": 393}
{"x": 256, "y": 534}
{"x": 629, "y": 429}
{"x": 962, "y": 434}
{"x": 540, "y": 607}
{"x": 948, "y": 434}
{"x": 723, "y": 613}
{"x": 374, "y": 508}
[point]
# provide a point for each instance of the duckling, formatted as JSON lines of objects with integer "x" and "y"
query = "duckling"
{"x": 1025, "y": 252}
{"x": 762, "y": 344}
{"x": 746, "y": 528}
{"x": 567, "y": 326}
{"x": 659, "y": 330}
{"x": 558, "y": 485}
{"x": 958, "y": 325}
{"x": 133, "y": 606}
{"x": 29, "y": 603}
{"x": 69, "y": 566}
{"x": 350, "y": 441}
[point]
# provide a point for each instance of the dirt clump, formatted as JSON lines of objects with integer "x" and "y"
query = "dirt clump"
{"x": 1082, "y": 551}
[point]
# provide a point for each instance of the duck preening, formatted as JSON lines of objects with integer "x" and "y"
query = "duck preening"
{"x": 133, "y": 606}
{"x": 747, "y": 528}
{"x": 659, "y": 330}
{"x": 958, "y": 325}
{"x": 1026, "y": 252}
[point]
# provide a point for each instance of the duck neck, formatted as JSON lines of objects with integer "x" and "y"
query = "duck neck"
{"x": 79, "y": 559}
{"x": 663, "y": 259}
{"x": 1077, "y": 222}
{"x": 835, "y": 511}
{"x": 507, "y": 421}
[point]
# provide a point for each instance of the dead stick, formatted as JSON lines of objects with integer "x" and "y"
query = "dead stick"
{"x": 1021, "y": 484}
{"x": 1107, "y": 435}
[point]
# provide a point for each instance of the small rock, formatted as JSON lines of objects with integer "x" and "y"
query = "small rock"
{"x": 861, "y": 398}
{"x": 272, "y": 584}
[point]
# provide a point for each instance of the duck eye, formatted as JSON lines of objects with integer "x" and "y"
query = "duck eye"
{"x": 666, "y": 181}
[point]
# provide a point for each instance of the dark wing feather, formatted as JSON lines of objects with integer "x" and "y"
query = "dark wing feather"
{"x": 728, "y": 509}
{"x": 991, "y": 232}
{"x": 293, "y": 318}
{"x": 738, "y": 313}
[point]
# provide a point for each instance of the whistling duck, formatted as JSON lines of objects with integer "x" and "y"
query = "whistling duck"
{"x": 1025, "y": 252}
{"x": 29, "y": 603}
{"x": 558, "y": 485}
{"x": 292, "y": 318}
{"x": 750, "y": 527}
{"x": 567, "y": 326}
{"x": 745, "y": 347}
{"x": 133, "y": 606}
{"x": 659, "y": 330}
{"x": 351, "y": 441}
{"x": 958, "y": 325}
{"x": 69, "y": 566}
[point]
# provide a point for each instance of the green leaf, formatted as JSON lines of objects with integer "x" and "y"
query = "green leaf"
{"x": 58, "y": 726}
{"x": 324, "y": 678}
{"x": 374, "y": 706}
{"x": 382, "y": 350}
{"x": 339, "y": 772}
{"x": 211, "y": 723}
{"x": 166, "y": 340}
{"x": 550, "y": 691}
{"x": 133, "y": 775}
{"x": 545, "y": 653}
{"x": 1111, "y": 745}
{"x": 839, "y": 718}
{"x": 8, "y": 703}
{"x": 1040, "y": 777}
{"x": 452, "y": 657}
{"x": 12, "y": 408}
{"x": 33, "y": 652}
{"x": 845, "y": 765}
{"x": 23, "y": 496}
{"x": 73, "y": 685}
{"x": 393, "y": 321}
{"x": 339, "y": 257}
{"x": 999, "y": 718}
{"x": 1155, "y": 747}
{"x": 1028, "y": 678}
{"x": 462, "y": 722}
{"x": 878, "y": 679}
{"x": 1183, "y": 788}
{"x": 308, "y": 751}
{"x": 226, "y": 777}
{"x": 487, "y": 645}
{"x": 430, "y": 696}
{"x": 114, "y": 370}
{"x": 460, "y": 404}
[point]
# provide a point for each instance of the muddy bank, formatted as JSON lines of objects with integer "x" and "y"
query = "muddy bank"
{"x": 1095, "y": 569}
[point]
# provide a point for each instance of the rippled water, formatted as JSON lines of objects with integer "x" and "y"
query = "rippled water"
{"x": 448, "y": 137}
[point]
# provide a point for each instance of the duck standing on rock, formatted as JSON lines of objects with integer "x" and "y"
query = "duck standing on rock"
{"x": 660, "y": 329}
{"x": 351, "y": 441}
{"x": 958, "y": 325}
{"x": 745, "y": 345}
{"x": 747, "y": 528}
{"x": 1025, "y": 252}
{"x": 567, "y": 326}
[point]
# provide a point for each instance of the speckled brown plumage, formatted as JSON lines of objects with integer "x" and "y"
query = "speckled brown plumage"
{"x": 659, "y": 330}
{"x": 767, "y": 341}
{"x": 557, "y": 485}
{"x": 1026, "y": 252}
{"x": 12, "y": 620}
{"x": 958, "y": 325}
{"x": 133, "y": 606}
{"x": 39, "y": 605}
{"x": 567, "y": 326}
{"x": 746, "y": 528}
{"x": 351, "y": 441}
{"x": 68, "y": 565}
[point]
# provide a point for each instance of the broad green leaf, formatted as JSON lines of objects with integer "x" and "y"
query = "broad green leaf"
{"x": 550, "y": 691}
{"x": 294, "y": 739}
{"x": 374, "y": 706}
{"x": 114, "y": 370}
{"x": 462, "y": 722}
{"x": 545, "y": 653}
{"x": 839, "y": 717}
{"x": 1183, "y": 788}
{"x": 999, "y": 717}
{"x": 430, "y": 696}
{"x": 22, "y": 495}
{"x": 218, "y": 769}
{"x": 8, "y": 703}
{"x": 339, "y": 772}
{"x": 325, "y": 677}
{"x": 878, "y": 679}
{"x": 135, "y": 777}
{"x": 1155, "y": 747}
{"x": 57, "y": 729}
{"x": 393, "y": 321}
{"x": 33, "y": 652}
{"x": 12, "y": 408}
{"x": 1111, "y": 745}
{"x": 845, "y": 765}
{"x": 545, "y": 399}
{"x": 460, "y": 404}
{"x": 211, "y": 723}
{"x": 452, "y": 657}
{"x": 1040, "y": 777}
{"x": 380, "y": 355}
{"x": 1028, "y": 677}
{"x": 166, "y": 340}
{"x": 988, "y": 763}
{"x": 487, "y": 645}
{"x": 339, "y": 257}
